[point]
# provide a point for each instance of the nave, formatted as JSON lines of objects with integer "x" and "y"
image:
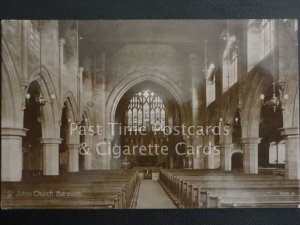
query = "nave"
{"x": 211, "y": 105}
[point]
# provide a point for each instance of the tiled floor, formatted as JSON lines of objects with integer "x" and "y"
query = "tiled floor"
{"x": 151, "y": 195}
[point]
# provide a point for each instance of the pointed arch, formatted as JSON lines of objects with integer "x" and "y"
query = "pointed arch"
{"x": 291, "y": 88}
{"x": 70, "y": 102}
{"x": 135, "y": 78}
{"x": 51, "y": 113}
{"x": 250, "y": 118}
{"x": 11, "y": 104}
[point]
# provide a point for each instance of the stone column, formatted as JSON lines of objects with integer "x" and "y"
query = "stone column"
{"x": 171, "y": 162}
{"x": 51, "y": 155}
{"x": 99, "y": 98}
{"x": 197, "y": 156}
{"x": 292, "y": 153}
{"x": 107, "y": 158}
{"x": 210, "y": 164}
{"x": 211, "y": 161}
{"x": 225, "y": 157}
{"x": 79, "y": 91}
{"x": 73, "y": 157}
{"x": 190, "y": 162}
{"x": 11, "y": 153}
{"x": 198, "y": 105}
{"x": 250, "y": 152}
{"x": 61, "y": 70}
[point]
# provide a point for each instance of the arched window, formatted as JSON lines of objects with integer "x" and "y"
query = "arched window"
{"x": 260, "y": 40}
{"x": 230, "y": 63}
{"x": 146, "y": 110}
{"x": 210, "y": 84}
{"x": 267, "y": 30}
{"x": 35, "y": 37}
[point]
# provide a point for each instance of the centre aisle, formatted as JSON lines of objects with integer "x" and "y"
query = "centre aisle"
{"x": 152, "y": 195}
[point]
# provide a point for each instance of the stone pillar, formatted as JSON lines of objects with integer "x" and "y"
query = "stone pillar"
{"x": 61, "y": 71}
{"x": 184, "y": 163}
{"x": 225, "y": 157}
{"x": 51, "y": 155}
{"x": 11, "y": 153}
{"x": 197, "y": 157}
{"x": 107, "y": 158}
{"x": 73, "y": 157}
{"x": 99, "y": 98}
{"x": 210, "y": 164}
{"x": 79, "y": 92}
{"x": 198, "y": 105}
{"x": 190, "y": 162}
{"x": 211, "y": 161}
{"x": 250, "y": 152}
{"x": 171, "y": 162}
{"x": 292, "y": 153}
{"x": 88, "y": 158}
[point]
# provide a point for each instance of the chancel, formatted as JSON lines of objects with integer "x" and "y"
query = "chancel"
{"x": 150, "y": 114}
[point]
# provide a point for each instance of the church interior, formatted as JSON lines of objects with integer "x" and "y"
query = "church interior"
{"x": 150, "y": 114}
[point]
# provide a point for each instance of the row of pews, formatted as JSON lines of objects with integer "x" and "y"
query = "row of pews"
{"x": 216, "y": 189}
{"x": 86, "y": 189}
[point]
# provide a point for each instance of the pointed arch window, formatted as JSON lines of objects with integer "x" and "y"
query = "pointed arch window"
{"x": 146, "y": 109}
{"x": 35, "y": 37}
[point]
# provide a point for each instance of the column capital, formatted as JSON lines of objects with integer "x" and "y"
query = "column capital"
{"x": 51, "y": 140}
{"x": 62, "y": 41}
{"x": 108, "y": 139}
{"x": 290, "y": 131}
{"x": 80, "y": 70}
{"x": 13, "y": 131}
{"x": 250, "y": 140}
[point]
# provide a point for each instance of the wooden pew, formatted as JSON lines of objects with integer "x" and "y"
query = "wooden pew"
{"x": 103, "y": 176}
{"x": 192, "y": 188}
{"x": 98, "y": 189}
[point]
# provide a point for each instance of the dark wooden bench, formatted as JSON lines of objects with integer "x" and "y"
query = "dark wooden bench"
{"x": 98, "y": 189}
{"x": 217, "y": 189}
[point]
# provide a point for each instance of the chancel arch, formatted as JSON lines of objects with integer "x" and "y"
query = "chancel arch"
{"x": 132, "y": 80}
{"x": 146, "y": 115}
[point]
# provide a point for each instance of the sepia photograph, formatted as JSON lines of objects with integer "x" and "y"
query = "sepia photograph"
{"x": 150, "y": 114}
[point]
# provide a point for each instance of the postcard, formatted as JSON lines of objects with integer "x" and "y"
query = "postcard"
{"x": 132, "y": 114}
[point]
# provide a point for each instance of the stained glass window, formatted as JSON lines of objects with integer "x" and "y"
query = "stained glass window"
{"x": 146, "y": 109}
